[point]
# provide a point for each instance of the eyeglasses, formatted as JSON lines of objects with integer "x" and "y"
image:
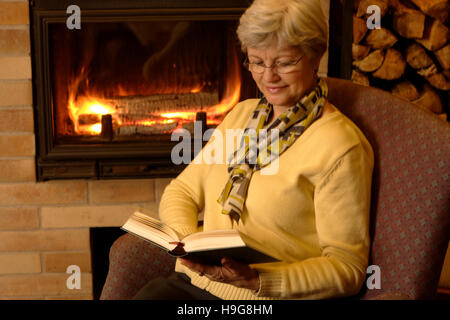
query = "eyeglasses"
{"x": 280, "y": 67}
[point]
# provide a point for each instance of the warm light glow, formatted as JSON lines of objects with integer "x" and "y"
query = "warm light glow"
{"x": 179, "y": 115}
{"x": 94, "y": 104}
{"x": 88, "y": 106}
{"x": 95, "y": 128}
{"x": 232, "y": 90}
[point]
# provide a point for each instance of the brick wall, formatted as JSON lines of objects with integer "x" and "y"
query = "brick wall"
{"x": 44, "y": 226}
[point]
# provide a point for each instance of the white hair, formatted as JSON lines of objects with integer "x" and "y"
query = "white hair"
{"x": 298, "y": 23}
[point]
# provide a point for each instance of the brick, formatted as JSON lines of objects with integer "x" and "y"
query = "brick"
{"x": 14, "y": 12}
{"x": 45, "y": 240}
{"x": 20, "y": 263}
{"x": 59, "y": 261}
{"x": 19, "y": 218}
{"x": 21, "y": 170}
{"x": 116, "y": 191}
{"x": 21, "y": 298}
{"x": 18, "y": 145}
{"x": 14, "y": 41}
{"x": 13, "y": 93}
{"x": 86, "y": 216}
{"x": 16, "y": 120}
{"x": 74, "y": 297}
{"x": 51, "y": 192}
{"x": 43, "y": 285}
{"x": 15, "y": 68}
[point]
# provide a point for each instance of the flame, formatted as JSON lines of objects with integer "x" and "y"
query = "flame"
{"x": 95, "y": 104}
{"x": 232, "y": 92}
{"x": 88, "y": 106}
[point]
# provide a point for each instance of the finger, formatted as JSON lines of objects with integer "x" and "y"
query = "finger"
{"x": 199, "y": 268}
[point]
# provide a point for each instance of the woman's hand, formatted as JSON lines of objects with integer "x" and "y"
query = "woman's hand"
{"x": 231, "y": 272}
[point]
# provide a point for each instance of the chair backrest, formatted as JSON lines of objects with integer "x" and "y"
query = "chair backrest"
{"x": 410, "y": 191}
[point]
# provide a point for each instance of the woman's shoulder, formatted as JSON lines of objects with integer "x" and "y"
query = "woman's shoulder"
{"x": 239, "y": 115}
{"x": 336, "y": 133}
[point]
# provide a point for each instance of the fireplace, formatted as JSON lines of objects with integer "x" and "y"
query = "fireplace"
{"x": 110, "y": 95}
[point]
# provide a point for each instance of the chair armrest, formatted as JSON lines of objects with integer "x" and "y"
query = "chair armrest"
{"x": 391, "y": 296}
{"x": 132, "y": 263}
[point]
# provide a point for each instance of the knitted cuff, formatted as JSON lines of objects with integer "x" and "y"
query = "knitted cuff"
{"x": 270, "y": 284}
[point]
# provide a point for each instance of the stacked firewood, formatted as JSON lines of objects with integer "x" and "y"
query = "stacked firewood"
{"x": 409, "y": 55}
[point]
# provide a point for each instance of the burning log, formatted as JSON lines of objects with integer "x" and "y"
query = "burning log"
{"x": 164, "y": 102}
{"x": 88, "y": 119}
{"x": 107, "y": 127}
{"x": 159, "y": 128}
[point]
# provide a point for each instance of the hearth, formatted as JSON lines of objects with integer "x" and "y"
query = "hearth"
{"x": 109, "y": 96}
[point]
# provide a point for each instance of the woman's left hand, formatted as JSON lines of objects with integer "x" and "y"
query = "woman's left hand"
{"x": 231, "y": 272}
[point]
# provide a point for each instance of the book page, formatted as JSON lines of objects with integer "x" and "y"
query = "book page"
{"x": 214, "y": 239}
{"x": 155, "y": 223}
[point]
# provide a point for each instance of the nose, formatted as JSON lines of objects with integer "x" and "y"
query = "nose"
{"x": 270, "y": 76}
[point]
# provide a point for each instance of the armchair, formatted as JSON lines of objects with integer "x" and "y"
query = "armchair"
{"x": 409, "y": 210}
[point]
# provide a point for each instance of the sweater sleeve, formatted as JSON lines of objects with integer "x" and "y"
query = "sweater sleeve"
{"x": 342, "y": 206}
{"x": 183, "y": 199}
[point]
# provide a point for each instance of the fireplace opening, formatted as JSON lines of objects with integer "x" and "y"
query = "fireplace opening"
{"x": 101, "y": 239}
{"x": 136, "y": 81}
{"x": 109, "y": 96}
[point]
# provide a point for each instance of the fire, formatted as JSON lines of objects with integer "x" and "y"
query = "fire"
{"x": 86, "y": 111}
{"x": 88, "y": 106}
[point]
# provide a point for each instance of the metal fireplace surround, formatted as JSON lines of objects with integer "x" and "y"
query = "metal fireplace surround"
{"x": 106, "y": 160}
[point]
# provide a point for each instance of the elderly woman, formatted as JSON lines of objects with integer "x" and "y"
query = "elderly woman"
{"x": 313, "y": 212}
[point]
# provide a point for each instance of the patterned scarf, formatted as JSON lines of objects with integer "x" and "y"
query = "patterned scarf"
{"x": 289, "y": 126}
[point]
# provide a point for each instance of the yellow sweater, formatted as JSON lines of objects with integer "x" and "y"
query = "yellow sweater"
{"x": 312, "y": 214}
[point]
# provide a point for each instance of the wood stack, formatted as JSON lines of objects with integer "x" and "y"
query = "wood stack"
{"x": 409, "y": 55}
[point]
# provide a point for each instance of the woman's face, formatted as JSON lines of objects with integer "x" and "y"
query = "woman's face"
{"x": 283, "y": 90}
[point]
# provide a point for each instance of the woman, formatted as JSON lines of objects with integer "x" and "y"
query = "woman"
{"x": 313, "y": 212}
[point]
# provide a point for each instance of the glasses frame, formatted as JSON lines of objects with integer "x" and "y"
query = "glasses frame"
{"x": 247, "y": 64}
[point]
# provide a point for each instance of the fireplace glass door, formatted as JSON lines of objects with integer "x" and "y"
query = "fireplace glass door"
{"x": 111, "y": 94}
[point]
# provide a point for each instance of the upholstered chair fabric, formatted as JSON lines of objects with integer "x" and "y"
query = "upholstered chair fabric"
{"x": 409, "y": 210}
{"x": 132, "y": 263}
{"x": 410, "y": 193}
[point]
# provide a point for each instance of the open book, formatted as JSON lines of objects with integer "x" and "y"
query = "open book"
{"x": 208, "y": 246}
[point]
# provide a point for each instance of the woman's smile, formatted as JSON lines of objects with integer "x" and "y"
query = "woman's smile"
{"x": 275, "y": 89}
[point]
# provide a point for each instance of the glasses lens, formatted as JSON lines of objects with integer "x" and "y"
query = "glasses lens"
{"x": 257, "y": 68}
{"x": 285, "y": 68}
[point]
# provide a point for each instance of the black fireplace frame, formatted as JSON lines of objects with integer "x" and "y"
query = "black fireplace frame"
{"x": 105, "y": 161}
